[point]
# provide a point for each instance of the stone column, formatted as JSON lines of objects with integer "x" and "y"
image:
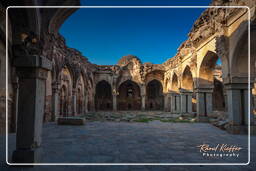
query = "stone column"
{"x": 86, "y": 102}
{"x": 183, "y": 100}
{"x": 55, "y": 100}
{"x": 114, "y": 102}
{"x": 114, "y": 92}
{"x": 166, "y": 102}
{"x": 143, "y": 102}
{"x": 32, "y": 73}
{"x": 204, "y": 103}
{"x": 175, "y": 102}
{"x": 15, "y": 106}
{"x": 225, "y": 99}
{"x": 172, "y": 96}
{"x": 74, "y": 103}
{"x": 143, "y": 97}
{"x": 186, "y": 102}
{"x": 238, "y": 109}
{"x": 93, "y": 103}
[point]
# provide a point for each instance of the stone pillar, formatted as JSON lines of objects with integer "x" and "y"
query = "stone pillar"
{"x": 238, "y": 109}
{"x": 143, "y": 102}
{"x": 74, "y": 111}
{"x": 55, "y": 100}
{"x": 183, "y": 103}
{"x": 186, "y": 102}
{"x": 92, "y": 103}
{"x": 204, "y": 103}
{"x": 143, "y": 97}
{"x": 225, "y": 99}
{"x": 32, "y": 73}
{"x": 114, "y": 102}
{"x": 166, "y": 102}
{"x": 114, "y": 92}
{"x": 172, "y": 103}
{"x": 86, "y": 102}
{"x": 175, "y": 102}
{"x": 15, "y": 106}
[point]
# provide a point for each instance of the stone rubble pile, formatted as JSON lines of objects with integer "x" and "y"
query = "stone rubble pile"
{"x": 219, "y": 119}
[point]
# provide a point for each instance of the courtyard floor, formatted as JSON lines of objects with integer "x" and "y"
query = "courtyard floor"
{"x": 124, "y": 142}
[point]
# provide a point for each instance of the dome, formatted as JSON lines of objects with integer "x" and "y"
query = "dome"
{"x": 127, "y": 59}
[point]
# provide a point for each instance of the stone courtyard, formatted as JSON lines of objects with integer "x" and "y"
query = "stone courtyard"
{"x": 123, "y": 142}
{"x": 60, "y": 107}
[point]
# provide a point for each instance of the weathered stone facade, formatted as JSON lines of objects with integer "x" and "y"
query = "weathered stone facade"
{"x": 47, "y": 79}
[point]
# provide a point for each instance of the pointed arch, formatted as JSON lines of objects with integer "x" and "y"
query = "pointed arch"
{"x": 175, "y": 83}
{"x": 187, "y": 79}
{"x": 129, "y": 96}
{"x": 103, "y": 96}
{"x": 155, "y": 98}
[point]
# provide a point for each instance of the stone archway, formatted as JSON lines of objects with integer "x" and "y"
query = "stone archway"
{"x": 129, "y": 97}
{"x": 206, "y": 71}
{"x": 103, "y": 96}
{"x": 209, "y": 93}
{"x": 237, "y": 89}
{"x": 154, "y": 93}
{"x": 187, "y": 92}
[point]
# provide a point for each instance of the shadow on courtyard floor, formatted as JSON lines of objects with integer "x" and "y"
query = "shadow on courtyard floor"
{"x": 122, "y": 142}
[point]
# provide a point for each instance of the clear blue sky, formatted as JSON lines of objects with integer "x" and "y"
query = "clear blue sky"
{"x": 105, "y": 35}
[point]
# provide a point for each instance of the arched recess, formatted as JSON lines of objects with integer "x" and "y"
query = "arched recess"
{"x": 103, "y": 96}
{"x": 64, "y": 101}
{"x": 175, "y": 83}
{"x": 187, "y": 80}
{"x": 80, "y": 97}
{"x": 66, "y": 83}
{"x": 154, "y": 94}
{"x": 129, "y": 97}
{"x": 167, "y": 86}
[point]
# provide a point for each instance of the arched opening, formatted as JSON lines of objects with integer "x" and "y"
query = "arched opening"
{"x": 129, "y": 97}
{"x": 103, "y": 96}
{"x": 206, "y": 72}
{"x": 187, "y": 85}
{"x": 210, "y": 77}
{"x": 155, "y": 98}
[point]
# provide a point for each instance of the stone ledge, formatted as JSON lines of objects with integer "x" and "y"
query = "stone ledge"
{"x": 70, "y": 121}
